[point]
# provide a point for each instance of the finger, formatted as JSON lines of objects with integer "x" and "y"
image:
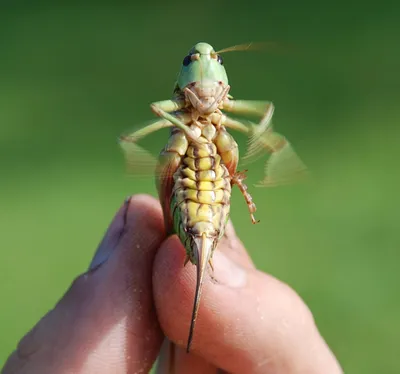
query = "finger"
{"x": 231, "y": 244}
{"x": 106, "y": 322}
{"x": 174, "y": 360}
{"x": 248, "y": 321}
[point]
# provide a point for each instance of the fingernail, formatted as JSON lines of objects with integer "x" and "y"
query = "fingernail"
{"x": 111, "y": 238}
{"x": 228, "y": 272}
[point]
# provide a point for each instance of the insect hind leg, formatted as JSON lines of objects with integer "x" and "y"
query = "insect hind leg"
{"x": 238, "y": 179}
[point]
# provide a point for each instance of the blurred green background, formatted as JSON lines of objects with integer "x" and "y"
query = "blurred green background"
{"x": 73, "y": 77}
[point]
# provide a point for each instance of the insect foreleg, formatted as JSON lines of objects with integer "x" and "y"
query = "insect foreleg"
{"x": 236, "y": 125}
{"x": 168, "y": 105}
{"x": 144, "y": 131}
{"x": 258, "y": 141}
{"x": 263, "y": 108}
{"x": 161, "y": 109}
{"x": 283, "y": 166}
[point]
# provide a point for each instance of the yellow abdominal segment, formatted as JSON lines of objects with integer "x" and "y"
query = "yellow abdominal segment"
{"x": 201, "y": 195}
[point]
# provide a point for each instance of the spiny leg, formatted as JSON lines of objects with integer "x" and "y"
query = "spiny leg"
{"x": 284, "y": 166}
{"x": 161, "y": 109}
{"x": 236, "y": 125}
{"x": 238, "y": 179}
{"x": 265, "y": 109}
{"x": 139, "y": 161}
{"x": 144, "y": 131}
{"x": 271, "y": 140}
{"x": 142, "y": 162}
{"x": 170, "y": 105}
{"x": 258, "y": 140}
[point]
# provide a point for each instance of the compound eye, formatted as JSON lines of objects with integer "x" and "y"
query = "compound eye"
{"x": 187, "y": 60}
{"x": 220, "y": 60}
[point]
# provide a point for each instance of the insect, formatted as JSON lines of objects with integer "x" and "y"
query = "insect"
{"x": 198, "y": 166}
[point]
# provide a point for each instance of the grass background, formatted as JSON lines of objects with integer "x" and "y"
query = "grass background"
{"x": 73, "y": 77}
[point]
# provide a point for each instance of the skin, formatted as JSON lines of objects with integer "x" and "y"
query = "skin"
{"x": 114, "y": 317}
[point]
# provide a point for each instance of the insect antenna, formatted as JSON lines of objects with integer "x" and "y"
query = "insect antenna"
{"x": 258, "y": 46}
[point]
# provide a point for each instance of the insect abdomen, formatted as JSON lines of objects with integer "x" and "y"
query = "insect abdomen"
{"x": 201, "y": 195}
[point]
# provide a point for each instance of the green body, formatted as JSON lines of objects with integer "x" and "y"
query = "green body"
{"x": 207, "y": 66}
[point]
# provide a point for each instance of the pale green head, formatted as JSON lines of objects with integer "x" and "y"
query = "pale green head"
{"x": 202, "y": 63}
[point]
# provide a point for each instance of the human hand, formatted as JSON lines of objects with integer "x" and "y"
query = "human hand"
{"x": 114, "y": 317}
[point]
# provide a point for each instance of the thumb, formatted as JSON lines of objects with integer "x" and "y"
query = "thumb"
{"x": 106, "y": 322}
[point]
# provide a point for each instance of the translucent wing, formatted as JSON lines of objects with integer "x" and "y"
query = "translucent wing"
{"x": 139, "y": 161}
{"x": 283, "y": 166}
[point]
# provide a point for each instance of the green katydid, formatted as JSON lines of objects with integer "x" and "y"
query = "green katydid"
{"x": 197, "y": 168}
